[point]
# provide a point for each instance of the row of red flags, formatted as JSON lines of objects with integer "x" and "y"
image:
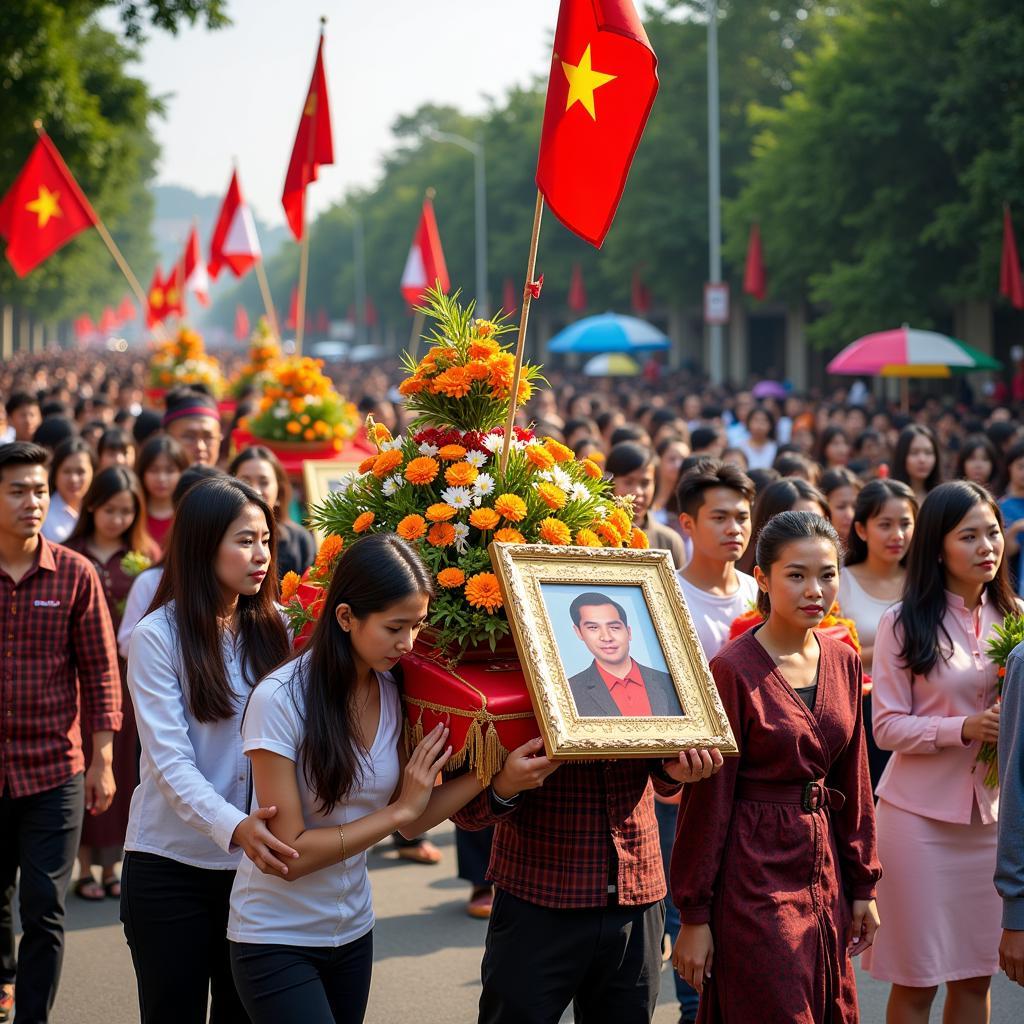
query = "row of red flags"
{"x": 602, "y": 86}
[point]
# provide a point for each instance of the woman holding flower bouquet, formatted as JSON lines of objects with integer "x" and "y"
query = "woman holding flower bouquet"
{"x": 934, "y": 705}
{"x": 112, "y": 525}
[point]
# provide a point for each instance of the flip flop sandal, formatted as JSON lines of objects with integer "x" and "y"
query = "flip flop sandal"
{"x": 109, "y": 886}
{"x": 94, "y": 897}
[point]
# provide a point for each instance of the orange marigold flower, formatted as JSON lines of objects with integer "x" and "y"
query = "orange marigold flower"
{"x": 539, "y": 456}
{"x": 484, "y": 518}
{"x": 554, "y": 531}
{"x": 363, "y": 522}
{"x": 309, "y": 434}
{"x": 367, "y": 464}
{"x": 386, "y": 462}
{"x": 452, "y": 452}
{"x": 441, "y": 513}
{"x": 453, "y": 382}
{"x": 411, "y": 386}
{"x": 381, "y": 434}
{"x": 441, "y": 535}
{"x": 621, "y": 521}
{"x": 422, "y": 470}
{"x": 592, "y": 469}
{"x": 525, "y": 392}
{"x": 477, "y": 370}
{"x": 552, "y": 495}
{"x": 638, "y": 539}
{"x": 289, "y": 585}
{"x": 587, "y": 539}
{"x": 461, "y": 474}
{"x": 559, "y": 452}
{"x": 329, "y": 550}
{"x": 483, "y": 348}
{"x": 510, "y": 507}
{"x": 502, "y": 366}
{"x": 449, "y": 578}
{"x": 509, "y": 536}
{"x": 482, "y": 591}
{"x": 293, "y": 427}
{"x": 608, "y": 533}
{"x": 412, "y": 527}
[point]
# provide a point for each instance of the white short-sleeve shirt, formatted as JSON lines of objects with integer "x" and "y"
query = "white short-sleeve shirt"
{"x": 332, "y": 906}
{"x": 713, "y": 615}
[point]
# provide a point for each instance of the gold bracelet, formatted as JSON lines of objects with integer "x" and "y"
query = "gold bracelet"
{"x": 341, "y": 836}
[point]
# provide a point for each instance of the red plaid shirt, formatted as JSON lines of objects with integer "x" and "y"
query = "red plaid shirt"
{"x": 556, "y": 846}
{"x": 57, "y": 640}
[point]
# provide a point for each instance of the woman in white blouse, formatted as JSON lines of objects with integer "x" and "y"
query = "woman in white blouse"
{"x": 192, "y": 662}
{"x": 71, "y": 473}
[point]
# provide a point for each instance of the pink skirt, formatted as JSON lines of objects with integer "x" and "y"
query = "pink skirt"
{"x": 939, "y": 908}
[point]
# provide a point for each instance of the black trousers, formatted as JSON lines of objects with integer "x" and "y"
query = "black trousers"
{"x": 304, "y": 984}
{"x": 175, "y": 919}
{"x": 39, "y": 837}
{"x": 606, "y": 961}
{"x": 473, "y": 854}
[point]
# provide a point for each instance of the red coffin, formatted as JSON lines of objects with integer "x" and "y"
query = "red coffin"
{"x": 486, "y": 702}
{"x": 293, "y": 453}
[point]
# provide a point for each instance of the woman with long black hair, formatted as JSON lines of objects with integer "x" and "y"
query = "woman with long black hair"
{"x": 916, "y": 460}
{"x": 214, "y": 630}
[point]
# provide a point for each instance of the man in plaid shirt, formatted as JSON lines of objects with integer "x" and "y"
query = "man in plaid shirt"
{"x": 578, "y": 910}
{"x": 58, "y": 676}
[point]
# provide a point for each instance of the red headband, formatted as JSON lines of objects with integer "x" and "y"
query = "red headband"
{"x": 190, "y": 410}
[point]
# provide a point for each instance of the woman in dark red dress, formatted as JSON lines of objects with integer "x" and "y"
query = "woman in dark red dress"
{"x": 112, "y": 523}
{"x": 774, "y": 865}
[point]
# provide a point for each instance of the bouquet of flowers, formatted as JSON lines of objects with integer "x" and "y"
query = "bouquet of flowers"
{"x": 300, "y": 403}
{"x": 442, "y": 488}
{"x": 264, "y": 352}
{"x": 1005, "y": 637}
{"x": 183, "y": 360}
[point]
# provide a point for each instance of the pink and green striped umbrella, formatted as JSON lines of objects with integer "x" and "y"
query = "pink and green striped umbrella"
{"x": 907, "y": 352}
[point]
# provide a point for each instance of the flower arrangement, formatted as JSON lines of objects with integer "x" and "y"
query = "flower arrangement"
{"x": 300, "y": 404}
{"x": 134, "y": 563}
{"x": 183, "y": 360}
{"x": 264, "y": 352}
{"x": 441, "y": 486}
{"x": 1005, "y": 637}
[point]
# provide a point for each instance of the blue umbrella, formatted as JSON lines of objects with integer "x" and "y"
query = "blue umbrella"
{"x": 609, "y": 332}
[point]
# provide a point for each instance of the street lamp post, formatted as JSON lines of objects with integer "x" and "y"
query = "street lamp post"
{"x": 480, "y": 182}
{"x": 715, "y": 332}
{"x": 359, "y": 260}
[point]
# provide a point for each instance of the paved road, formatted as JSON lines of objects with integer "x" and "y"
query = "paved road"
{"x": 427, "y": 956}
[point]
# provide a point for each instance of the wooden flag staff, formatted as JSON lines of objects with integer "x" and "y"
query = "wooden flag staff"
{"x": 115, "y": 252}
{"x": 531, "y": 290}
{"x": 268, "y": 299}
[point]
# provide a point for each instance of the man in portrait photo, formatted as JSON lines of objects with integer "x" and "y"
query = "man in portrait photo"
{"x": 614, "y": 684}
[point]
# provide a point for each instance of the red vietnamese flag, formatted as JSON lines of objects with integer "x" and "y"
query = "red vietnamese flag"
{"x": 577, "y": 292}
{"x": 43, "y": 209}
{"x": 234, "y": 243}
{"x": 313, "y": 147}
{"x": 84, "y": 328}
{"x": 604, "y": 77}
{"x": 241, "y": 323}
{"x": 197, "y": 280}
{"x": 640, "y": 298}
{"x": 1010, "y": 283}
{"x": 755, "y": 281}
{"x": 508, "y": 303}
{"x": 109, "y": 321}
{"x": 126, "y": 311}
{"x": 174, "y": 291}
{"x": 425, "y": 266}
{"x": 156, "y": 299}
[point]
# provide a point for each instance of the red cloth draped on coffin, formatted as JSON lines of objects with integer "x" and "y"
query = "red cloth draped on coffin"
{"x": 293, "y": 453}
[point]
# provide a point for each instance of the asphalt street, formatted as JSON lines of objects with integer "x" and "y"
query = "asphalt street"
{"x": 427, "y": 962}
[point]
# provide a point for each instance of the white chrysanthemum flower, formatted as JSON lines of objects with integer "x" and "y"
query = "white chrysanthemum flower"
{"x": 492, "y": 442}
{"x": 344, "y": 483}
{"x": 395, "y": 442}
{"x": 484, "y": 484}
{"x": 561, "y": 478}
{"x": 461, "y": 534}
{"x": 601, "y": 512}
{"x": 579, "y": 492}
{"x": 546, "y": 476}
{"x": 389, "y": 487}
{"x": 457, "y": 497}
{"x": 517, "y": 445}
{"x": 428, "y": 449}
{"x": 476, "y": 459}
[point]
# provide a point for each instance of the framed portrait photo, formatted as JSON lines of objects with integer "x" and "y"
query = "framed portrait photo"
{"x": 321, "y": 477}
{"x": 610, "y": 654}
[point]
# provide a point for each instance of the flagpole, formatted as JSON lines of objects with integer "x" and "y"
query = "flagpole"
{"x": 268, "y": 299}
{"x": 418, "y": 317}
{"x": 528, "y": 292}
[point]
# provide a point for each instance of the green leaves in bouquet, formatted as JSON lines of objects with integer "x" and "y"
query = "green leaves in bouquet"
{"x": 1005, "y": 637}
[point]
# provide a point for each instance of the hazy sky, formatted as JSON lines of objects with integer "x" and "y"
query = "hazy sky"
{"x": 238, "y": 92}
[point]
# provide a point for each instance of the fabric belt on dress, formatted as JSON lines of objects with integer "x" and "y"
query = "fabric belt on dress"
{"x": 811, "y": 796}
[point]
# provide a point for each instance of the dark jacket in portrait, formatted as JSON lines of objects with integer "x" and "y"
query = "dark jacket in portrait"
{"x": 594, "y": 699}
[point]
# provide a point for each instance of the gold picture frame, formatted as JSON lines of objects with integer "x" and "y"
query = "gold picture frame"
{"x": 538, "y": 581}
{"x": 322, "y": 476}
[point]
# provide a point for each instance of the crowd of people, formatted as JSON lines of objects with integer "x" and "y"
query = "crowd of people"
{"x": 155, "y": 717}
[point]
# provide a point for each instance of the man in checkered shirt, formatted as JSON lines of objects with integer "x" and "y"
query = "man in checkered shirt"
{"x": 58, "y": 676}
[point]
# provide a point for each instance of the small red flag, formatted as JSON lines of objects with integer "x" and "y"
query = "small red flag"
{"x": 577, "y": 292}
{"x": 241, "y": 323}
{"x": 234, "y": 243}
{"x": 84, "y": 328}
{"x": 313, "y": 147}
{"x": 755, "y": 281}
{"x": 509, "y": 302}
{"x": 641, "y": 295}
{"x": 604, "y": 77}
{"x": 156, "y": 299}
{"x": 197, "y": 280}
{"x": 174, "y": 291}
{"x": 425, "y": 266}
{"x": 293, "y": 311}
{"x": 43, "y": 209}
{"x": 126, "y": 311}
{"x": 1010, "y": 283}
{"x": 109, "y": 321}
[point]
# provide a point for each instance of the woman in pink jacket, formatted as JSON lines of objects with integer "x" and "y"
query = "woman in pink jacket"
{"x": 934, "y": 704}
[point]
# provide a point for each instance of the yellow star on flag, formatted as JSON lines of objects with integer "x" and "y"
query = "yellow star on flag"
{"x": 583, "y": 81}
{"x": 156, "y": 297}
{"x": 45, "y": 206}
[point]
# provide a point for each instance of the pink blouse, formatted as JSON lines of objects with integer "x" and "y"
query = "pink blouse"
{"x": 935, "y": 773}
